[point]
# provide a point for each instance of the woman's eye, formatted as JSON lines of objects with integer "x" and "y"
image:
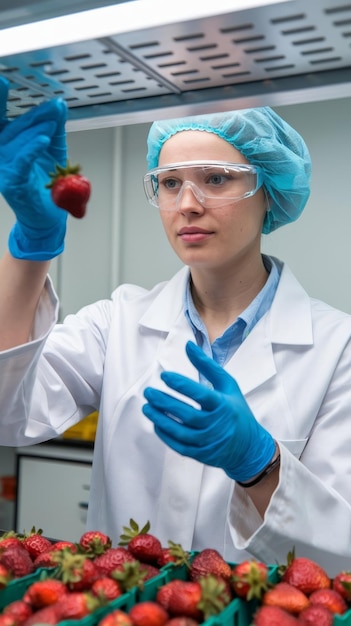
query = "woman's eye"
{"x": 170, "y": 183}
{"x": 217, "y": 179}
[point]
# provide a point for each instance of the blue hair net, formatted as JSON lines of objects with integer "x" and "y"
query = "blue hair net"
{"x": 267, "y": 141}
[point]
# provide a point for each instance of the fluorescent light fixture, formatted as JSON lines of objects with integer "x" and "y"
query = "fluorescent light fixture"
{"x": 113, "y": 20}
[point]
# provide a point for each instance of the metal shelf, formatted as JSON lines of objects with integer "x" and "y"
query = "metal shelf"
{"x": 286, "y": 52}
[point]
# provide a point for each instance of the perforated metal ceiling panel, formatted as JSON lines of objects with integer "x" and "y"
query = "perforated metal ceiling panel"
{"x": 286, "y": 52}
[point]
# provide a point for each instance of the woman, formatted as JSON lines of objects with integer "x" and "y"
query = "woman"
{"x": 241, "y": 444}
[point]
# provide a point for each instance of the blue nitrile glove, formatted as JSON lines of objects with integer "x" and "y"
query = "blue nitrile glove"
{"x": 4, "y": 88}
{"x": 222, "y": 433}
{"x": 30, "y": 147}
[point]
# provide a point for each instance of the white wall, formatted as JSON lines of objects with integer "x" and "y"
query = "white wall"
{"x": 121, "y": 238}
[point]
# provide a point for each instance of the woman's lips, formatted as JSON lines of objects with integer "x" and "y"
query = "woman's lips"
{"x": 193, "y": 234}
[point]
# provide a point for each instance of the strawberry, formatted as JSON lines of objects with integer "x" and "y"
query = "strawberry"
{"x": 131, "y": 575}
{"x": 95, "y": 542}
{"x": 342, "y": 584}
{"x": 44, "y": 592}
{"x": 316, "y": 615}
{"x": 63, "y": 544}
{"x": 148, "y": 613}
{"x": 17, "y": 560}
{"x": 182, "y": 621}
{"x": 287, "y": 597}
{"x": 5, "y": 576}
{"x": 250, "y": 579}
{"x": 305, "y": 574}
{"x": 329, "y": 598}
{"x": 112, "y": 559}
{"x": 70, "y": 190}
{"x": 76, "y": 605}
{"x": 51, "y": 557}
{"x": 149, "y": 571}
{"x": 180, "y": 597}
{"x": 116, "y": 618}
{"x": 174, "y": 553}
{"x": 141, "y": 544}
{"x": 35, "y": 543}
{"x": 198, "y": 599}
{"x": 209, "y": 561}
{"x": 19, "y": 609}
{"x": 7, "y": 620}
{"x": 106, "y": 589}
{"x": 9, "y": 539}
{"x": 274, "y": 616}
{"x": 77, "y": 571}
{"x": 47, "y": 615}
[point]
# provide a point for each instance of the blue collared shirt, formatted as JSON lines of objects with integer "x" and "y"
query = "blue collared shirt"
{"x": 223, "y": 348}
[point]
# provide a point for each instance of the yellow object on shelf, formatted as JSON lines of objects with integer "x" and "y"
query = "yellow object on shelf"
{"x": 85, "y": 429}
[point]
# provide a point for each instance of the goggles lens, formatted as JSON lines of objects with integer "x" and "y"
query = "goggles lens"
{"x": 213, "y": 183}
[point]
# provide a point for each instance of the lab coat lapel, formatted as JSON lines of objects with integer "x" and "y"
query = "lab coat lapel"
{"x": 288, "y": 322}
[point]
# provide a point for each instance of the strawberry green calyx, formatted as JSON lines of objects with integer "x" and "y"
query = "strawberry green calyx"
{"x": 181, "y": 556}
{"x": 133, "y": 531}
{"x": 130, "y": 575}
{"x": 214, "y": 596}
{"x": 61, "y": 172}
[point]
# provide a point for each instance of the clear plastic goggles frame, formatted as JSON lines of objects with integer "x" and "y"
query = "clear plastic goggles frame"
{"x": 213, "y": 183}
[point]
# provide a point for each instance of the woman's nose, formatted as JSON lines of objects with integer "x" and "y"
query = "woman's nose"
{"x": 189, "y": 198}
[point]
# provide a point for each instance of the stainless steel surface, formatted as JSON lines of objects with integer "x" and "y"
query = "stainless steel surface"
{"x": 288, "y": 52}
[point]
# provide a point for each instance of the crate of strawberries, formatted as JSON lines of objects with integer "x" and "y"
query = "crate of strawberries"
{"x": 139, "y": 582}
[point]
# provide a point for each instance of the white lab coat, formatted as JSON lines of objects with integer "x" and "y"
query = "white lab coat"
{"x": 294, "y": 369}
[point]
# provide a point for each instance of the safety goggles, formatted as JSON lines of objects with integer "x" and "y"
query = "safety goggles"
{"x": 213, "y": 183}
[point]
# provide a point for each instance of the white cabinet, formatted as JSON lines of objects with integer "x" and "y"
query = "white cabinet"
{"x": 53, "y": 490}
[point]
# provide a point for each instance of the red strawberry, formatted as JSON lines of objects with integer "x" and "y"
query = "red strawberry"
{"x": 76, "y": 605}
{"x": 77, "y": 571}
{"x": 52, "y": 557}
{"x": 179, "y": 597}
{"x": 19, "y": 609}
{"x": 329, "y": 598}
{"x": 148, "y": 613}
{"x": 44, "y": 592}
{"x": 131, "y": 575}
{"x": 274, "y": 616}
{"x": 287, "y": 597}
{"x": 9, "y": 539}
{"x": 95, "y": 542}
{"x": 250, "y": 579}
{"x": 112, "y": 559}
{"x": 116, "y": 618}
{"x": 106, "y": 589}
{"x": 199, "y": 599}
{"x": 141, "y": 544}
{"x": 62, "y": 544}
{"x": 316, "y": 615}
{"x": 174, "y": 553}
{"x": 342, "y": 584}
{"x": 149, "y": 571}
{"x": 5, "y": 576}
{"x": 70, "y": 190}
{"x": 35, "y": 543}
{"x": 17, "y": 560}
{"x": 8, "y": 620}
{"x": 47, "y": 615}
{"x": 182, "y": 621}
{"x": 305, "y": 574}
{"x": 209, "y": 561}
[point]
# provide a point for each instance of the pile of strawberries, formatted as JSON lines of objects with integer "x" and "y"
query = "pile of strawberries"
{"x": 305, "y": 595}
{"x": 81, "y": 578}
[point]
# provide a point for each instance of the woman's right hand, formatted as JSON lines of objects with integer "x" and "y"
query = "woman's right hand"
{"x": 30, "y": 147}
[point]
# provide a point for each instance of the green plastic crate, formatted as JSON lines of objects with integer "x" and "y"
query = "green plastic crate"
{"x": 17, "y": 587}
